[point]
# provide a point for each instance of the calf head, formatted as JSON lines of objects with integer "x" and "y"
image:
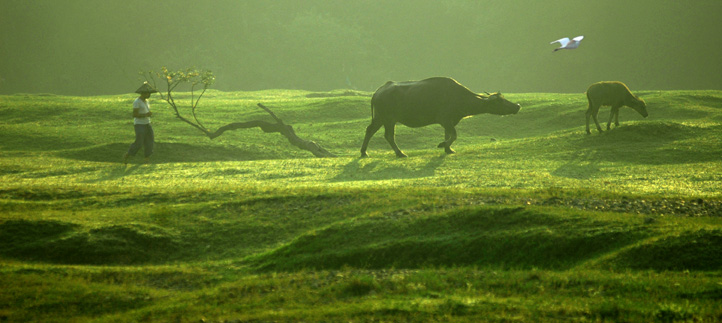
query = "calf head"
{"x": 640, "y": 106}
{"x": 498, "y": 105}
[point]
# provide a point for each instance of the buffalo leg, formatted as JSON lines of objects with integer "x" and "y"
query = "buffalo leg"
{"x": 450, "y": 136}
{"x": 390, "y": 134}
{"x": 370, "y": 131}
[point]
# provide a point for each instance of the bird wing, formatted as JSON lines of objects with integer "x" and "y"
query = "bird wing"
{"x": 578, "y": 38}
{"x": 564, "y": 41}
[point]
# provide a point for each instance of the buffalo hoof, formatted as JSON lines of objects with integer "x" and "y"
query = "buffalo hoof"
{"x": 364, "y": 155}
{"x": 450, "y": 151}
{"x": 401, "y": 155}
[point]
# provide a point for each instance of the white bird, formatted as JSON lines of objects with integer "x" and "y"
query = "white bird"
{"x": 568, "y": 44}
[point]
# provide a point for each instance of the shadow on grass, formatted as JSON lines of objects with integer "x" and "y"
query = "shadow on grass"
{"x": 118, "y": 172}
{"x": 582, "y": 166}
{"x": 365, "y": 170}
{"x": 645, "y": 143}
{"x": 38, "y": 142}
{"x": 167, "y": 153}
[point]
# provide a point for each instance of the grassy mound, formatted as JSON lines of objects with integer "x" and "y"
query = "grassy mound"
{"x": 30, "y": 239}
{"x": 503, "y": 237}
{"x": 690, "y": 250}
{"x": 66, "y": 243}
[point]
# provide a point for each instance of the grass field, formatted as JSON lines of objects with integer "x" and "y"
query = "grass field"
{"x": 531, "y": 219}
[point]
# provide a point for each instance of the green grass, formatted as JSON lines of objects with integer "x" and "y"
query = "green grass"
{"x": 532, "y": 219}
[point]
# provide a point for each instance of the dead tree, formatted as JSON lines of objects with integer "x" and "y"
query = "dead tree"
{"x": 206, "y": 79}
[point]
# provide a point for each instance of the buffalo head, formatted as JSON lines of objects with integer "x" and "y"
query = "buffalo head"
{"x": 498, "y": 105}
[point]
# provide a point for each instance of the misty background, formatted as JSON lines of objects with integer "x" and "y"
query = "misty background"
{"x": 90, "y": 47}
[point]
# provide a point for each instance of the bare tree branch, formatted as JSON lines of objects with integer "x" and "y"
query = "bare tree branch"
{"x": 173, "y": 79}
{"x": 280, "y": 127}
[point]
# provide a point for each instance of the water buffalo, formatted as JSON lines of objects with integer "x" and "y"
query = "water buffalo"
{"x": 615, "y": 94}
{"x": 438, "y": 100}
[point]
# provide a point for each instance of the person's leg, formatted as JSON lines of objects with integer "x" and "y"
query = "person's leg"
{"x": 135, "y": 146}
{"x": 149, "y": 141}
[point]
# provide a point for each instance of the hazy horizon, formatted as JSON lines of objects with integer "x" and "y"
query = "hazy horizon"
{"x": 85, "y": 47}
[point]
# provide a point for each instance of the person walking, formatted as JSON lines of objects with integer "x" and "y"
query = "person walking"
{"x": 143, "y": 130}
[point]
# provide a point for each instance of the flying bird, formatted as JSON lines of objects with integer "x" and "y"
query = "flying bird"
{"x": 568, "y": 44}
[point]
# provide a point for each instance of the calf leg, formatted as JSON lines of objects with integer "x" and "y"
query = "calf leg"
{"x": 616, "y": 117}
{"x": 450, "y": 136}
{"x": 370, "y": 131}
{"x": 592, "y": 111}
{"x": 588, "y": 115}
{"x": 390, "y": 133}
{"x": 614, "y": 114}
{"x": 596, "y": 121}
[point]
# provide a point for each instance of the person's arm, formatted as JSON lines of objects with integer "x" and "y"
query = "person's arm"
{"x": 137, "y": 114}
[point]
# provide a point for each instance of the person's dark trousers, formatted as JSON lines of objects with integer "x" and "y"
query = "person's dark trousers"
{"x": 143, "y": 137}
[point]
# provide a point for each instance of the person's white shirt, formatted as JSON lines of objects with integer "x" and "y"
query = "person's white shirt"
{"x": 143, "y": 108}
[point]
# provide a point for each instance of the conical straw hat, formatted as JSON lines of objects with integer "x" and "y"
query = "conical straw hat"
{"x": 146, "y": 88}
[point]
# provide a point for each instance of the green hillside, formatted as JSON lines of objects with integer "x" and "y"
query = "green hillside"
{"x": 531, "y": 219}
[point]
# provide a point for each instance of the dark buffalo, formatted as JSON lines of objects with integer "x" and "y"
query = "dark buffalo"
{"x": 614, "y": 94}
{"x": 438, "y": 100}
